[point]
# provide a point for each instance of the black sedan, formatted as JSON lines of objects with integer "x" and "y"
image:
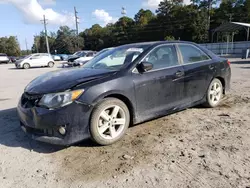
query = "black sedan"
{"x": 124, "y": 86}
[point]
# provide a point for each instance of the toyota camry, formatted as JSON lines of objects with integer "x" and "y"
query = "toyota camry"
{"x": 127, "y": 85}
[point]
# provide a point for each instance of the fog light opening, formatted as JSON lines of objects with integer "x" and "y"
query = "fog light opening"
{"x": 62, "y": 130}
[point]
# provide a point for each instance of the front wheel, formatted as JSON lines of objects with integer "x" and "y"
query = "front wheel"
{"x": 26, "y": 65}
{"x": 214, "y": 93}
{"x": 109, "y": 121}
{"x": 50, "y": 64}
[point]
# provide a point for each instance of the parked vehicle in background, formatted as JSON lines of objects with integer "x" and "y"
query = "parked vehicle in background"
{"x": 77, "y": 55}
{"x": 64, "y": 57}
{"x": 4, "y": 58}
{"x": 56, "y": 58}
{"x": 82, "y": 60}
{"x": 35, "y": 60}
{"x": 127, "y": 85}
{"x": 13, "y": 59}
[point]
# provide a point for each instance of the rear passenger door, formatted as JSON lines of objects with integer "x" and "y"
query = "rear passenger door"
{"x": 198, "y": 69}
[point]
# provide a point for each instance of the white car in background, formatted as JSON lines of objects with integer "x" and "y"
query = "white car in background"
{"x": 4, "y": 58}
{"x": 56, "y": 57}
{"x": 82, "y": 60}
{"x": 35, "y": 60}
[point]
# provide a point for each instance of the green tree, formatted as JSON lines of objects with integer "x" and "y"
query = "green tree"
{"x": 64, "y": 41}
{"x": 10, "y": 46}
{"x": 143, "y": 17}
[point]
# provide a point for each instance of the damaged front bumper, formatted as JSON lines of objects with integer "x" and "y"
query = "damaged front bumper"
{"x": 63, "y": 126}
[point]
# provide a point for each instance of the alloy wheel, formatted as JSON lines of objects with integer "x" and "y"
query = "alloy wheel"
{"x": 215, "y": 93}
{"x": 111, "y": 122}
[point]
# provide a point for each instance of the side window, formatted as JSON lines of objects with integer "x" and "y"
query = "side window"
{"x": 83, "y": 54}
{"x": 91, "y": 54}
{"x": 163, "y": 57}
{"x": 44, "y": 56}
{"x": 192, "y": 54}
{"x": 37, "y": 56}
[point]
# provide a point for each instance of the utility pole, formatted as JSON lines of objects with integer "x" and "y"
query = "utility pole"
{"x": 123, "y": 12}
{"x": 45, "y": 30}
{"x": 208, "y": 18}
{"x": 26, "y": 44}
{"x": 76, "y": 19}
{"x": 77, "y": 31}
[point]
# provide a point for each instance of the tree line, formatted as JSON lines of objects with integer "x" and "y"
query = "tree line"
{"x": 171, "y": 21}
{"x": 10, "y": 46}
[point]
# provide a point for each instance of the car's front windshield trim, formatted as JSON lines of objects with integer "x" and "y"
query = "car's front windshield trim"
{"x": 116, "y": 58}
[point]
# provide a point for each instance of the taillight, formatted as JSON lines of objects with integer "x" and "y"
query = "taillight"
{"x": 228, "y": 62}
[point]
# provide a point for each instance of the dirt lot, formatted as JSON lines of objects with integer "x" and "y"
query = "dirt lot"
{"x": 197, "y": 147}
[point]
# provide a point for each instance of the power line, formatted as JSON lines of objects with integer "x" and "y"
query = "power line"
{"x": 45, "y": 22}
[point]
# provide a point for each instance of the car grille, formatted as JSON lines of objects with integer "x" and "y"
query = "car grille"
{"x": 51, "y": 132}
{"x": 29, "y": 101}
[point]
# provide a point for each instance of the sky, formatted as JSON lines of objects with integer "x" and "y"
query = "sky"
{"x": 22, "y": 18}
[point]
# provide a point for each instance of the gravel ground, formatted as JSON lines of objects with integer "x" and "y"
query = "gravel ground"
{"x": 198, "y": 147}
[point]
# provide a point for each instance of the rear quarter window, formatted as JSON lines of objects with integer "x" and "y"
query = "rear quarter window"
{"x": 192, "y": 54}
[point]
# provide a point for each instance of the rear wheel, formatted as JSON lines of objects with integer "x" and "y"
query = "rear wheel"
{"x": 26, "y": 65}
{"x": 109, "y": 121}
{"x": 50, "y": 64}
{"x": 214, "y": 93}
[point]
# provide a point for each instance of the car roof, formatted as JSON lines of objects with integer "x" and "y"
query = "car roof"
{"x": 40, "y": 54}
{"x": 156, "y": 43}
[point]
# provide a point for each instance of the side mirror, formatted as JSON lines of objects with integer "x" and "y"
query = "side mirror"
{"x": 144, "y": 66}
{"x": 31, "y": 58}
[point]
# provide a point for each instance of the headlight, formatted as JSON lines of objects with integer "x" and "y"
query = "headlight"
{"x": 56, "y": 100}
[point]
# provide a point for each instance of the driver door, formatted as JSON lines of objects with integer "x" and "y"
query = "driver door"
{"x": 160, "y": 89}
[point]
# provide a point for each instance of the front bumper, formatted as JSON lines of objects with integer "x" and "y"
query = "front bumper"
{"x": 18, "y": 65}
{"x": 43, "y": 124}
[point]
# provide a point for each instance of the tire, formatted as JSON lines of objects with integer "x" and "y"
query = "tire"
{"x": 214, "y": 94}
{"x": 110, "y": 130}
{"x": 51, "y": 64}
{"x": 26, "y": 65}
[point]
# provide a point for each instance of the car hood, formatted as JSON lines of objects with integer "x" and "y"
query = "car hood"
{"x": 73, "y": 56}
{"x": 19, "y": 61}
{"x": 84, "y": 59}
{"x": 58, "y": 81}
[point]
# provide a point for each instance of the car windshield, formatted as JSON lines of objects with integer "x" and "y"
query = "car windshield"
{"x": 82, "y": 54}
{"x": 116, "y": 58}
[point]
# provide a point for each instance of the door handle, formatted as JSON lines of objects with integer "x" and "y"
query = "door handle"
{"x": 179, "y": 73}
{"x": 212, "y": 67}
